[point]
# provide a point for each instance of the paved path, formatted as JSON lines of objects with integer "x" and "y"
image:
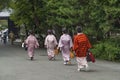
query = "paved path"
{"x": 15, "y": 65}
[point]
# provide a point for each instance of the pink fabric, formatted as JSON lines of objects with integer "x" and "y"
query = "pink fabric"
{"x": 32, "y": 43}
{"x": 50, "y": 43}
{"x": 65, "y": 43}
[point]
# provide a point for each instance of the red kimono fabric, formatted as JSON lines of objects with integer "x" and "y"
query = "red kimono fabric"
{"x": 81, "y": 45}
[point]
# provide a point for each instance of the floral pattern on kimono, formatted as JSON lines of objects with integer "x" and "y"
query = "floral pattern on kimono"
{"x": 65, "y": 43}
{"x": 32, "y": 43}
{"x": 50, "y": 43}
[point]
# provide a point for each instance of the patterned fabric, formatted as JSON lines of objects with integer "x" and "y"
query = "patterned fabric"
{"x": 65, "y": 43}
{"x": 32, "y": 43}
{"x": 81, "y": 45}
{"x": 50, "y": 43}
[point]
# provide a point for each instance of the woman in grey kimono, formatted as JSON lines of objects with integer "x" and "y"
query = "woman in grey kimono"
{"x": 31, "y": 43}
{"x": 50, "y": 44}
{"x": 65, "y": 44}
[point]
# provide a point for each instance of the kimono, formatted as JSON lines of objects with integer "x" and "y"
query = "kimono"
{"x": 65, "y": 44}
{"x": 50, "y": 43}
{"x": 81, "y": 46}
{"x": 31, "y": 43}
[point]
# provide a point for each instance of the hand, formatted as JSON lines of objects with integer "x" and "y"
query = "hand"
{"x": 58, "y": 48}
{"x": 36, "y": 46}
{"x": 71, "y": 49}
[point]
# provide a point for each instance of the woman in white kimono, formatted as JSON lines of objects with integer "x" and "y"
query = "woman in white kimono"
{"x": 50, "y": 44}
{"x": 31, "y": 43}
{"x": 65, "y": 44}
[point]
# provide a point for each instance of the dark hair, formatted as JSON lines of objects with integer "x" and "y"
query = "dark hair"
{"x": 49, "y": 31}
{"x": 64, "y": 30}
{"x": 31, "y": 32}
{"x": 79, "y": 29}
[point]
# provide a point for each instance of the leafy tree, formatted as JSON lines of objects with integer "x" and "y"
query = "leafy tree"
{"x": 4, "y": 4}
{"x": 27, "y": 12}
{"x": 95, "y": 16}
{"x": 102, "y": 15}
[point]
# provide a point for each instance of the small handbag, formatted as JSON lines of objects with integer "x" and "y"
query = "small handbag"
{"x": 56, "y": 51}
{"x": 72, "y": 55}
{"x": 23, "y": 45}
{"x": 90, "y": 57}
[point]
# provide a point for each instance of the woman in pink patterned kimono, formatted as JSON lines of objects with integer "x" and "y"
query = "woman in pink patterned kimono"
{"x": 50, "y": 44}
{"x": 31, "y": 43}
{"x": 65, "y": 44}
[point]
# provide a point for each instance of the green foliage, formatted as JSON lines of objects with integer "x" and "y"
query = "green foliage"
{"x": 108, "y": 50}
{"x": 3, "y": 24}
{"x": 61, "y": 13}
{"x": 97, "y": 17}
{"x": 4, "y": 4}
{"x": 27, "y": 12}
{"x": 94, "y": 15}
{"x": 102, "y": 15}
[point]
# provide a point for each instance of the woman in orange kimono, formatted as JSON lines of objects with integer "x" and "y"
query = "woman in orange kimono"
{"x": 81, "y": 46}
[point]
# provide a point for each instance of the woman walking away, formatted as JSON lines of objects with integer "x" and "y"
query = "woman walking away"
{"x": 65, "y": 44}
{"x": 31, "y": 43}
{"x": 12, "y": 37}
{"x": 5, "y": 38}
{"x": 81, "y": 46}
{"x": 50, "y": 44}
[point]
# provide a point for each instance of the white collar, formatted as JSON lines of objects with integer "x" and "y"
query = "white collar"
{"x": 79, "y": 33}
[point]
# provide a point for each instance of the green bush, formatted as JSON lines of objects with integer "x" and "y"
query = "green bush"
{"x": 108, "y": 50}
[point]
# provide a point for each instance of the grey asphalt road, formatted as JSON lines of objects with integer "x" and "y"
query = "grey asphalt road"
{"x": 15, "y": 65}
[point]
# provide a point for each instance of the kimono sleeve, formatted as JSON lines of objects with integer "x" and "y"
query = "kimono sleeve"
{"x": 71, "y": 43}
{"x": 46, "y": 42}
{"x": 27, "y": 40}
{"x": 75, "y": 44}
{"x": 88, "y": 43}
{"x": 60, "y": 42}
{"x": 55, "y": 40}
{"x": 36, "y": 42}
